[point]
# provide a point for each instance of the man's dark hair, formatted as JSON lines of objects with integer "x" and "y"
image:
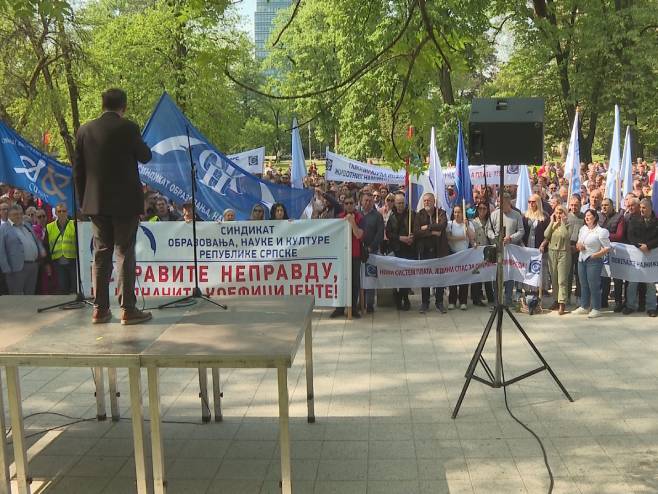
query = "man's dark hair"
{"x": 115, "y": 99}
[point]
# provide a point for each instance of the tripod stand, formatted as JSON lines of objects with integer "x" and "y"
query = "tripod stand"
{"x": 80, "y": 301}
{"x": 196, "y": 291}
{"x": 494, "y": 378}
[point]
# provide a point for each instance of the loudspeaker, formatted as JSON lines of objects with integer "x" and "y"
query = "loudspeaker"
{"x": 506, "y": 131}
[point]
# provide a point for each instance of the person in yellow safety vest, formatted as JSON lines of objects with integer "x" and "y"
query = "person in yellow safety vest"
{"x": 60, "y": 235}
{"x": 163, "y": 212}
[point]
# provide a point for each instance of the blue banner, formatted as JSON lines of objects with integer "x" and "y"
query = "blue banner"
{"x": 24, "y": 166}
{"x": 221, "y": 184}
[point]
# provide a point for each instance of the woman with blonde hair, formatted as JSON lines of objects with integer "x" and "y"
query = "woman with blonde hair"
{"x": 557, "y": 237}
{"x": 535, "y": 221}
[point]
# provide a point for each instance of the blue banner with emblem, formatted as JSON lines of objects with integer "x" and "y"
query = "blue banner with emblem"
{"x": 221, "y": 183}
{"x": 26, "y": 167}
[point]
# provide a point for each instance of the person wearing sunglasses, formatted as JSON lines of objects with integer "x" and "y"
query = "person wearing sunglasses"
{"x": 257, "y": 212}
{"x": 355, "y": 220}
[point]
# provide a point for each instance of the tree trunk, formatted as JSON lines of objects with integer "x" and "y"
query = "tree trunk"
{"x": 587, "y": 141}
{"x": 180, "y": 54}
{"x": 445, "y": 84}
{"x": 39, "y": 50}
{"x": 74, "y": 93}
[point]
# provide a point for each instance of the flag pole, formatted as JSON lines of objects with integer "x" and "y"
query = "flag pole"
{"x": 410, "y": 136}
{"x": 408, "y": 175}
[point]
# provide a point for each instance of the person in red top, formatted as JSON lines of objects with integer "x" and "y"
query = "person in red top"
{"x": 354, "y": 218}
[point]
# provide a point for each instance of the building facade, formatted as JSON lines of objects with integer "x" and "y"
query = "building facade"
{"x": 266, "y": 11}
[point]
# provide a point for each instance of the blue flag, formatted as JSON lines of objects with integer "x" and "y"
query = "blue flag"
{"x": 572, "y": 166}
{"x": 24, "y": 166}
{"x": 654, "y": 195}
{"x": 298, "y": 165}
{"x": 221, "y": 184}
{"x": 462, "y": 174}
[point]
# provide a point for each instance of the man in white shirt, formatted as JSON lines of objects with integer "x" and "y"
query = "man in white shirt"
{"x": 20, "y": 251}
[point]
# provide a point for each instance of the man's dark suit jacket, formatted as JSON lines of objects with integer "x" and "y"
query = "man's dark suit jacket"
{"x": 105, "y": 169}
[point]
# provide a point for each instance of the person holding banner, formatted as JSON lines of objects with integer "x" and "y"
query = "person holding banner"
{"x": 355, "y": 220}
{"x": 576, "y": 220}
{"x": 278, "y": 211}
{"x": 643, "y": 234}
{"x": 593, "y": 244}
{"x": 535, "y": 221}
{"x": 429, "y": 231}
{"x": 401, "y": 242}
{"x": 373, "y": 236}
{"x": 480, "y": 226}
{"x": 613, "y": 222}
{"x": 105, "y": 171}
{"x": 513, "y": 225}
{"x": 557, "y": 237}
{"x": 257, "y": 212}
{"x": 461, "y": 235}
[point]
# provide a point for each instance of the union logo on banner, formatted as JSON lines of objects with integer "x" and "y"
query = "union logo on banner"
{"x": 534, "y": 266}
{"x": 371, "y": 270}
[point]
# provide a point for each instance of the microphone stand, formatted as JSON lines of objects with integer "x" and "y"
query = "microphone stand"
{"x": 80, "y": 300}
{"x": 196, "y": 291}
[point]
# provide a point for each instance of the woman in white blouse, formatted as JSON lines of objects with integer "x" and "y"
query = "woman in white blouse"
{"x": 592, "y": 245}
{"x": 460, "y": 237}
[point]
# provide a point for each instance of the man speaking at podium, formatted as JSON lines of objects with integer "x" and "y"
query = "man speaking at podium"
{"x": 106, "y": 175}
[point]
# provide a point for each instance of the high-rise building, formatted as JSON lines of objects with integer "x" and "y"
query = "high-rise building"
{"x": 266, "y": 11}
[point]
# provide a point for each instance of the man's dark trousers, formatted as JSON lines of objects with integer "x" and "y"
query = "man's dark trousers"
{"x": 115, "y": 233}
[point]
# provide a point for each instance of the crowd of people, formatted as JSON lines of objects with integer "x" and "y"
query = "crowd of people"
{"x": 573, "y": 232}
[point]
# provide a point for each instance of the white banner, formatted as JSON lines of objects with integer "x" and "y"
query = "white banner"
{"x": 252, "y": 161}
{"x": 343, "y": 169}
{"x": 627, "y": 262}
{"x": 465, "y": 267}
{"x": 492, "y": 174}
{"x": 249, "y": 258}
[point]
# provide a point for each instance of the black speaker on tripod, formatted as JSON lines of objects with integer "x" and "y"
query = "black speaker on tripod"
{"x": 506, "y": 131}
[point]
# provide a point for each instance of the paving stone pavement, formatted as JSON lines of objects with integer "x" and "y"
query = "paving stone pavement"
{"x": 385, "y": 386}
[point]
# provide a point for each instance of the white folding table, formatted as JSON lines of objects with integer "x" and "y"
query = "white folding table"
{"x": 68, "y": 339}
{"x": 263, "y": 332}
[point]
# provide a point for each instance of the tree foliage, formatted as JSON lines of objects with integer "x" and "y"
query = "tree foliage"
{"x": 360, "y": 71}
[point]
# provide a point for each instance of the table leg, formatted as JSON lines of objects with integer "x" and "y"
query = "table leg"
{"x": 203, "y": 394}
{"x": 99, "y": 382}
{"x": 5, "y": 486}
{"x": 284, "y": 431}
{"x": 18, "y": 431}
{"x": 217, "y": 395}
{"x": 310, "y": 396}
{"x": 135, "y": 377}
{"x": 114, "y": 393}
{"x": 159, "y": 482}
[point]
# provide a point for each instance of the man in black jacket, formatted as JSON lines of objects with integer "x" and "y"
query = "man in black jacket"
{"x": 431, "y": 243}
{"x": 643, "y": 234}
{"x": 110, "y": 193}
{"x": 401, "y": 242}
